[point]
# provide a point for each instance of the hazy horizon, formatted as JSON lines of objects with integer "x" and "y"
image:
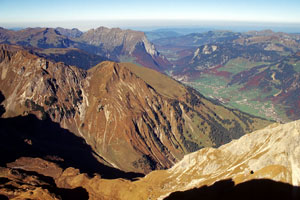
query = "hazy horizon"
{"x": 149, "y": 15}
{"x": 147, "y": 25}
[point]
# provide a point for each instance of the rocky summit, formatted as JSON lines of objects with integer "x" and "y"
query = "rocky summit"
{"x": 260, "y": 165}
{"x": 133, "y": 118}
{"x": 268, "y": 158}
{"x": 271, "y": 153}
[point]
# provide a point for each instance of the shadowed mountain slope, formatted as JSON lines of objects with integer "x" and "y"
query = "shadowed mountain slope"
{"x": 259, "y": 189}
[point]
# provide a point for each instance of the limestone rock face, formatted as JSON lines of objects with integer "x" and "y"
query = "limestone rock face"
{"x": 73, "y": 33}
{"x": 271, "y": 153}
{"x": 119, "y": 45}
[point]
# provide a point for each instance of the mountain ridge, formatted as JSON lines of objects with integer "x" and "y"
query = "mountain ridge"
{"x": 113, "y": 44}
{"x": 118, "y": 112}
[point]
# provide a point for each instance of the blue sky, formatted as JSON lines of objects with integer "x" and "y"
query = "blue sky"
{"x": 83, "y": 13}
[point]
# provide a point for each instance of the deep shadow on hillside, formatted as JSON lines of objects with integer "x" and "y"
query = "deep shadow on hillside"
{"x": 251, "y": 190}
{"x": 27, "y": 136}
{"x": 74, "y": 57}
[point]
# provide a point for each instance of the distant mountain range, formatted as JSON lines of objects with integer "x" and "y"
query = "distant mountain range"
{"x": 95, "y": 45}
{"x": 262, "y": 65}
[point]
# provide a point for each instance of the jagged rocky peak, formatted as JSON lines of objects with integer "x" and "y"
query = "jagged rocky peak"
{"x": 203, "y": 51}
{"x": 114, "y": 37}
{"x": 39, "y": 85}
{"x": 73, "y": 33}
{"x": 126, "y": 45}
{"x": 150, "y": 48}
{"x": 208, "y": 49}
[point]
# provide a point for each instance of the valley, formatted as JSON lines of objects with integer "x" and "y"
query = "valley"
{"x": 247, "y": 71}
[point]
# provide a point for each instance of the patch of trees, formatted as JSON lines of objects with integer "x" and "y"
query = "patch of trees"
{"x": 51, "y": 100}
{"x": 76, "y": 96}
{"x": 237, "y": 131}
{"x": 29, "y": 103}
{"x": 155, "y": 116}
{"x": 53, "y": 86}
{"x": 145, "y": 161}
{"x": 189, "y": 145}
{"x": 177, "y": 109}
{"x": 194, "y": 99}
{"x": 245, "y": 119}
{"x": 219, "y": 135}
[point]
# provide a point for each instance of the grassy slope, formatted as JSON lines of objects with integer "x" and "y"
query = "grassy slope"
{"x": 238, "y": 65}
{"x": 161, "y": 83}
{"x": 197, "y": 124}
{"x": 249, "y": 101}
